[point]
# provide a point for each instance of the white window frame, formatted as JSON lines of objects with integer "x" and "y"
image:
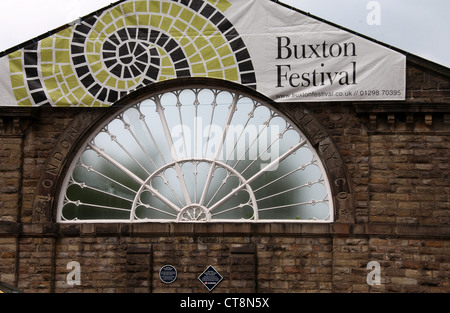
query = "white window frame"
{"x": 191, "y": 208}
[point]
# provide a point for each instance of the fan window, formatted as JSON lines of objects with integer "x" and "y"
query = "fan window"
{"x": 196, "y": 155}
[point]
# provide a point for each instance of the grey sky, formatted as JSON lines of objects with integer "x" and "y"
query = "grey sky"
{"x": 419, "y": 27}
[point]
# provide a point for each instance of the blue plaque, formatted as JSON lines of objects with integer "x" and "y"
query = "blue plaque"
{"x": 168, "y": 274}
{"x": 210, "y": 278}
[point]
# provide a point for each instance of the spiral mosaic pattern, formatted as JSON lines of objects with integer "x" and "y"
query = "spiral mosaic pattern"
{"x": 131, "y": 45}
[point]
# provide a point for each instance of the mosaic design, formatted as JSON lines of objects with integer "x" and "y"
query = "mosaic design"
{"x": 131, "y": 45}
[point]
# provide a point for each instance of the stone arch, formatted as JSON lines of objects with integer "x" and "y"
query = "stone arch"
{"x": 44, "y": 208}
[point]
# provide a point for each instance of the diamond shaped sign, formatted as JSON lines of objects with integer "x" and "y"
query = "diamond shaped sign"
{"x": 210, "y": 278}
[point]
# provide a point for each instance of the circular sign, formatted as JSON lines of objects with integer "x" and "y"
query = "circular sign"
{"x": 168, "y": 274}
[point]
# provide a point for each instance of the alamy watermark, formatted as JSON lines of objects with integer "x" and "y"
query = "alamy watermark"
{"x": 229, "y": 143}
{"x": 74, "y": 277}
{"x": 374, "y": 276}
{"x": 374, "y": 16}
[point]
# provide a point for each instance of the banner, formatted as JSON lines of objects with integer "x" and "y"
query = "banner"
{"x": 284, "y": 54}
{"x": 298, "y": 58}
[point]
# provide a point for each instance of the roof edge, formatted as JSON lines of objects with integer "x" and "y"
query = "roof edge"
{"x": 56, "y": 30}
{"x": 412, "y": 58}
{"x": 429, "y": 65}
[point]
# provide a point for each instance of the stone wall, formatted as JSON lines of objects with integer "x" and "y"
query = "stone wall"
{"x": 396, "y": 155}
{"x": 259, "y": 258}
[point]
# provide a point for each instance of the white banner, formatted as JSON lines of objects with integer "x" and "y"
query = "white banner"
{"x": 282, "y": 53}
{"x": 298, "y": 58}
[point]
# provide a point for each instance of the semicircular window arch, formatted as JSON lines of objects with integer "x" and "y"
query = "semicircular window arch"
{"x": 196, "y": 154}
